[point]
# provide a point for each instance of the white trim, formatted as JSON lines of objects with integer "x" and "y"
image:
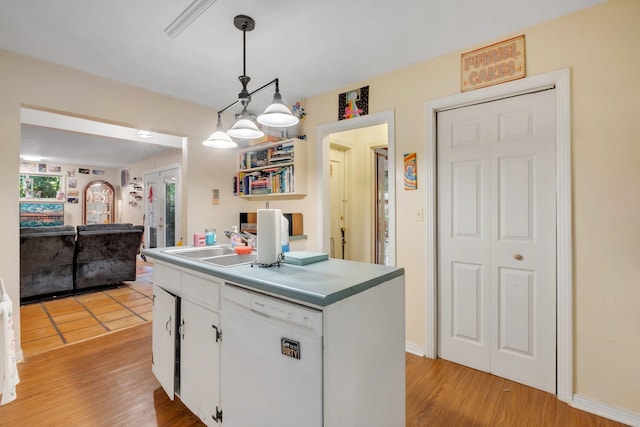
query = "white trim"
{"x": 416, "y": 349}
{"x": 561, "y": 81}
{"x": 606, "y": 410}
{"x": 322, "y": 142}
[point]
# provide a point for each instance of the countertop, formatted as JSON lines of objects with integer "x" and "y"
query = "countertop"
{"x": 320, "y": 284}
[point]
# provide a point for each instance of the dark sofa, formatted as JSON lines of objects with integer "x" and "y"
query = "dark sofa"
{"x": 60, "y": 260}
{"x": 106, "y": 254}
{"x": 46, "y": 260}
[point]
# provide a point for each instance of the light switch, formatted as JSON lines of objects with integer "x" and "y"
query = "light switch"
{"x": 419, "y": 215}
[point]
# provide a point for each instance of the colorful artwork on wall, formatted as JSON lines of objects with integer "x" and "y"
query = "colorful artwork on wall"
{"x": 410, "y": 172}
{"x": 354, "y": 103}
{"x": 41, "y": 214}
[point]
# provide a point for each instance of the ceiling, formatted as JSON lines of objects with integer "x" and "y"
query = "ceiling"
{"x": 312, "y": 47}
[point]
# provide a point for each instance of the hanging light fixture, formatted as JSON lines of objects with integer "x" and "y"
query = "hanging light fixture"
{"x": 219, "y": 139}
{"x": 275, "y": 115}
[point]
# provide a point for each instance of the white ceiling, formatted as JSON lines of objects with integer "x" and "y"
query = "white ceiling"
{"x": 312, "y": 47}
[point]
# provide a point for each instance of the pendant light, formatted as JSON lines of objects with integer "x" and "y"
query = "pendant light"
{"x": 219, "y": 139}
{"x": 276, "y": 115}
{"x": 245, "y": 127}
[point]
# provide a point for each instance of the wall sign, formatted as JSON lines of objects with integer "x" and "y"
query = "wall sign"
{"x": 498, "y": 63}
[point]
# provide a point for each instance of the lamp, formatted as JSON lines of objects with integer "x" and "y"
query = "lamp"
{"x": 219, "y": 139}
{"x": 275, "y": 115}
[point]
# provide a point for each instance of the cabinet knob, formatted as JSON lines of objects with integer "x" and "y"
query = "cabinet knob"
{"x": 518, "y": 257}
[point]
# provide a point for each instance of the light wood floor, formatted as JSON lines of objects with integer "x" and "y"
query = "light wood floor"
{"x": 107, "y": 381}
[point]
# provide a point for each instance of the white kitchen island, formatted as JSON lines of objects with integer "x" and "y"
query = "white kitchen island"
{"x": 314, "y": 345}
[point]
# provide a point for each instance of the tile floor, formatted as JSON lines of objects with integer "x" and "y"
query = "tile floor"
{"x": 50, "y": 324}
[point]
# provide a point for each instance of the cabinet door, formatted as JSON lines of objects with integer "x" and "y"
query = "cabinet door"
{"x": 164, "y": 339}
{"x": 200, "y": 361}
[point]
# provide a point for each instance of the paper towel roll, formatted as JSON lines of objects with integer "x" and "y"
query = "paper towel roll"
{"x": 269, "y": 245}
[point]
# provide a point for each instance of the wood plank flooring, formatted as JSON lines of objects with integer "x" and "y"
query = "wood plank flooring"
{"x": 107, "y": 381}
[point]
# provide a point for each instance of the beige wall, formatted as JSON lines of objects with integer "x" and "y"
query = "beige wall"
{"x": 599, "y": 45}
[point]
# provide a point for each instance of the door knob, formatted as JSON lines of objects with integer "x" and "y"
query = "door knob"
{"x": 518, "y": 257}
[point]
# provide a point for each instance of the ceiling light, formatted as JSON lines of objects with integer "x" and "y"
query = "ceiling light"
{"x": 275, "y": 115}
{"x": 219, "y": 139}
{"x": 31, "y": 158}
{"x": 245, "y": 127}
{"x": 144, "y": 134}
{"x": 187, "y": 16}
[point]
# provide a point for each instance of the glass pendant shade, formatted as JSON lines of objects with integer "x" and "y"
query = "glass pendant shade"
{"x": 245, "y": 128}
{"x": 277, "y": 115}
{"x": 219, "y": 139}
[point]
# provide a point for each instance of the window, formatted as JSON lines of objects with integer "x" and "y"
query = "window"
{"x": 37, "y": 186}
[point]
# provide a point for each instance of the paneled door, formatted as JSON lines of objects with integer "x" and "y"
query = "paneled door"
{"x": 497, "y": 238}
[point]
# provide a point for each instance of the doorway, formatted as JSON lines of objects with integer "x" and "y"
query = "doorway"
{"x": 161, "y": 207}
{"x": 560, "y": 80}
{"x": 362, "y": 236}
{"x": 353, "y": 182}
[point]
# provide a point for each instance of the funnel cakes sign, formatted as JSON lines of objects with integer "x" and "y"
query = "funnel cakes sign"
{"x": 490, "y": 65}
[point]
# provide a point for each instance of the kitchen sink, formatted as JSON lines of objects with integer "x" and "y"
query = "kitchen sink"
{"x": 202, "y": 252}
{"x": 220, "y": 256}
{"x": 231, "y": 260}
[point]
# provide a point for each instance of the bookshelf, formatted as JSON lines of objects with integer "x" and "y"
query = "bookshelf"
{"x": 276, "y": 169}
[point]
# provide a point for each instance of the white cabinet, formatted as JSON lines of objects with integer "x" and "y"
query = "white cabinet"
{"x": 200, "y": 361}
{"x": 351, "y": 366}
{"x": 164, "y": 339}
{"x": 275, "y": 169}
{"x": 186, "y": 328}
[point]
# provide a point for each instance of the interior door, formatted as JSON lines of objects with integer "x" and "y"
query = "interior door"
{"x": 496, "y": 238}
{"x": 162, "y": 208}
{"x": 338, "y": 202}
{"x": 382, "y": 206}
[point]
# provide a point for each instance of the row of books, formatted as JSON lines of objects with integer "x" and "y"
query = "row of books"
{"x": 265, "y": 181}
{"x": 281, "y": 153}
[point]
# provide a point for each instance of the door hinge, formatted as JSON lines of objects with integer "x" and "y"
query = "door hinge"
{"x": 217, "y": 417}
{"x": 218, "y": 333}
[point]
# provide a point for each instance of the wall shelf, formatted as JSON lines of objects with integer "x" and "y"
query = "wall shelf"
{"x": 272, "y": 170}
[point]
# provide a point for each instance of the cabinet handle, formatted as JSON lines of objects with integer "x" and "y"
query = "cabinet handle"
{"x": 217, "y": 417}
{"x": 518, "y": 257}
{"x": 167, "y": 326}
{"x": 218, "y": 333}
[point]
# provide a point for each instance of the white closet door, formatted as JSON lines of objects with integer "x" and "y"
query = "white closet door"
{"x": 497, "y": 261}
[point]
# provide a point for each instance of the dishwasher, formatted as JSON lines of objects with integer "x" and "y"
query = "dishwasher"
{"x": 271, "y": 359}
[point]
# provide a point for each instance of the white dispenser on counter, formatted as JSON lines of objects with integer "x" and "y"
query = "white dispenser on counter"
{"x": 269, "y": 237}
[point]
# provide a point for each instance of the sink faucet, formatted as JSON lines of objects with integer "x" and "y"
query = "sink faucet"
{"x": 243, "y": 236}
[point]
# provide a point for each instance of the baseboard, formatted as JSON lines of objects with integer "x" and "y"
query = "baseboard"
{"x": 605, "y": 410}
{"x": 416, "y": 349}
